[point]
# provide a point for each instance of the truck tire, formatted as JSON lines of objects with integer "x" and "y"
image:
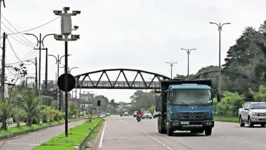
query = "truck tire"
{"x": 241, "y": 123}
{"x": 262, "y": 125}
{"x": 208, "y": 131}
{"x": 161, "y": 127}
{"x": 250, "y": 124}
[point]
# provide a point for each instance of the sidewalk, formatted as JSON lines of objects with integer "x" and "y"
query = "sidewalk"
{"x": 33, "y": 139}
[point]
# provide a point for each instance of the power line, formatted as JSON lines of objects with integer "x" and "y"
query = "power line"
{"x": 17, "y": 30}
{"x": 16, "y": 35}
{"x": 34, "y": 28}
{"x": 19, "y": 41}
{"x": 13, "y": 49}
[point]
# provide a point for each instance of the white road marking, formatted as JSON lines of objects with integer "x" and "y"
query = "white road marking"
{"x": 101, "y": 140}
{"x": 246, "y": 142}
{"x": 169, "y": 148}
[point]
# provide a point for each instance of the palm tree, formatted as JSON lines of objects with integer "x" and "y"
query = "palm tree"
{"x": 6, "y": 111}
{"x": 31, "y": 105}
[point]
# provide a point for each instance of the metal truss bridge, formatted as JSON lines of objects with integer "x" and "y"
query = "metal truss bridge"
{"x": 85, "y": 81}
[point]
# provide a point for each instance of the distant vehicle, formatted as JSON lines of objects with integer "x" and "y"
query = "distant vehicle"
{"x": 156, "y": 114}
{"x": 125, "y": 113}
{"x": 107, "y": 114}
{"x": 147, "y": 115}
{"x": 138, "y": 118}
{"x": 252, "y": 113}
{"x": 135, "y": 114}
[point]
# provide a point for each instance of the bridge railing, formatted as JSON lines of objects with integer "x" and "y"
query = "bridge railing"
{"x": 120, "y": 84}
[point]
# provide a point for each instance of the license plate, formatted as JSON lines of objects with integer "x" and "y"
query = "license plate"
{"x": 184, "y": 122}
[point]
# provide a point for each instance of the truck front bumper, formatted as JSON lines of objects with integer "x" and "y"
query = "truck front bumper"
{"x": 189, "y": 125}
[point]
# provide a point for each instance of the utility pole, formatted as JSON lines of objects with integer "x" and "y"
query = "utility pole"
{"x": 188, "y": 53}
{"x": 58, "y": 61}
{"x": 171, "y": 65}
{"x": 3, "y": 66}
{"x": 220, "y": 27}
{"x": 36, "y": 73}
{"x": 66, "y": 30}
{"x": 1, "y": 12}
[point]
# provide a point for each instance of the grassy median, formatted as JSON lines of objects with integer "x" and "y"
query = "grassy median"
{"x": 76, "y": 135}
{"x": 34, "y": 126}
{"x": 226, "y": 119}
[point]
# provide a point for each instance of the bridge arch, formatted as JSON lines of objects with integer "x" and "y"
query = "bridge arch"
{"x": 84, "y": 81}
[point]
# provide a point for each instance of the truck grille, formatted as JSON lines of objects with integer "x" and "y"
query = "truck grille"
{"x": 193, "y": 115}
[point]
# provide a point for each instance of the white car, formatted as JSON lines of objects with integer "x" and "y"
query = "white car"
{"x": 147, "y": 115}
{"x": 125, "y": 113}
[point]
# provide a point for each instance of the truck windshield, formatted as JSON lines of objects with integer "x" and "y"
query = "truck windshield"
{"x": 258, "y": 106}
{"x": 191, "y": 96}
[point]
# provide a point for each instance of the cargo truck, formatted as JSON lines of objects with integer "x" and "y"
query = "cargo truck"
{"x": 186, "y": 106}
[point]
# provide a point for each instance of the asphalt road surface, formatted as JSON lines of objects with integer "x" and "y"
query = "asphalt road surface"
{"x": 125, "y": 133}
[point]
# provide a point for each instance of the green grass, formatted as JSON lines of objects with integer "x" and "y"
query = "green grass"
{"x": 76, "y": 135}
{"x": 92, "y": 136}
{"x": 34, "y": 126}
{"x": 226, "y": 119}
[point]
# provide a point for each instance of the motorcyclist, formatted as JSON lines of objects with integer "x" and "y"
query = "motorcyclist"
{"x": 139, "y": 112}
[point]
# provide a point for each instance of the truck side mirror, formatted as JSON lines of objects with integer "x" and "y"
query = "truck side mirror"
{"x": 218, "y": 98}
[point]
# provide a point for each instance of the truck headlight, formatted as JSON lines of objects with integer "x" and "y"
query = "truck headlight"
{"x": 254, "y": 113}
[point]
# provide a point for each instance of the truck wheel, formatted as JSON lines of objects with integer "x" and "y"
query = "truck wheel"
{"x": 208, "y": 131}
{"x": 250, "y": 124}
{"x": 262, "y": 125}
{"x": 161, "y": 128}
{"x": 241, "y": 123}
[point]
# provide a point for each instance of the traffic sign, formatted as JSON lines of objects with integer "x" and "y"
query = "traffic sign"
{"x": 71, "y": 82}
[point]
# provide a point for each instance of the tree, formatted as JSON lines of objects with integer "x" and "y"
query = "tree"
{"x": 31, "y": 104}
{"x": 6, "y": 111}
{"x": 259, "y": 96}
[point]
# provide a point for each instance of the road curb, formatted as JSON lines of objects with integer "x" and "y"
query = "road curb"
{"x": 82, "y": 143}
{"x": 11, "y": 135}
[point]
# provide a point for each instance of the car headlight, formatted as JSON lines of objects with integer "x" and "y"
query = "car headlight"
{"x": 254, "y": 113}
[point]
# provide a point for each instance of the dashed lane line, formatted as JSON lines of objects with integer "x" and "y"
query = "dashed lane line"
{"x": 169, "y": 148}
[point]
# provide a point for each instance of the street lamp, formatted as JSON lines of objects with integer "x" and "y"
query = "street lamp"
{"x": 58, "y": 61}
{"x": 41, "y": 47}
{"x": 66, "y": 30}
{"x": 188, "y": 53}
{"x": 171, "y": 65}
{"x": 220, "y": 27}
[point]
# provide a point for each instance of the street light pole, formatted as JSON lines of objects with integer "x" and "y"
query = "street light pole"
{"x": 220, "y": 27}
{"x": 171, "y": 65}
{"x": 188, "y": 53}
{"x": 66, "y": 30}
{"x": 58, "y": 61}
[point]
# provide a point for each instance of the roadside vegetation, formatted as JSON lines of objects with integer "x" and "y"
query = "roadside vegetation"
{"x": 76, "y": 135}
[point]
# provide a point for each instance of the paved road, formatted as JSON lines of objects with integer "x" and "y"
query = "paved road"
{"x": 125, "y": 133}
{"x": 33, "y": 139}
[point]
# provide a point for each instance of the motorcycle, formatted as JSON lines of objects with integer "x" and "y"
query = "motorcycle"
{"x": 138, "y": 118}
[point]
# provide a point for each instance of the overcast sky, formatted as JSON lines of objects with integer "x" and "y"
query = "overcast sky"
{"x": 138, "y": 34}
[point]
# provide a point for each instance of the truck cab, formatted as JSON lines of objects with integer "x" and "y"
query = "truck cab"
{"x": 186, "y": 106}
